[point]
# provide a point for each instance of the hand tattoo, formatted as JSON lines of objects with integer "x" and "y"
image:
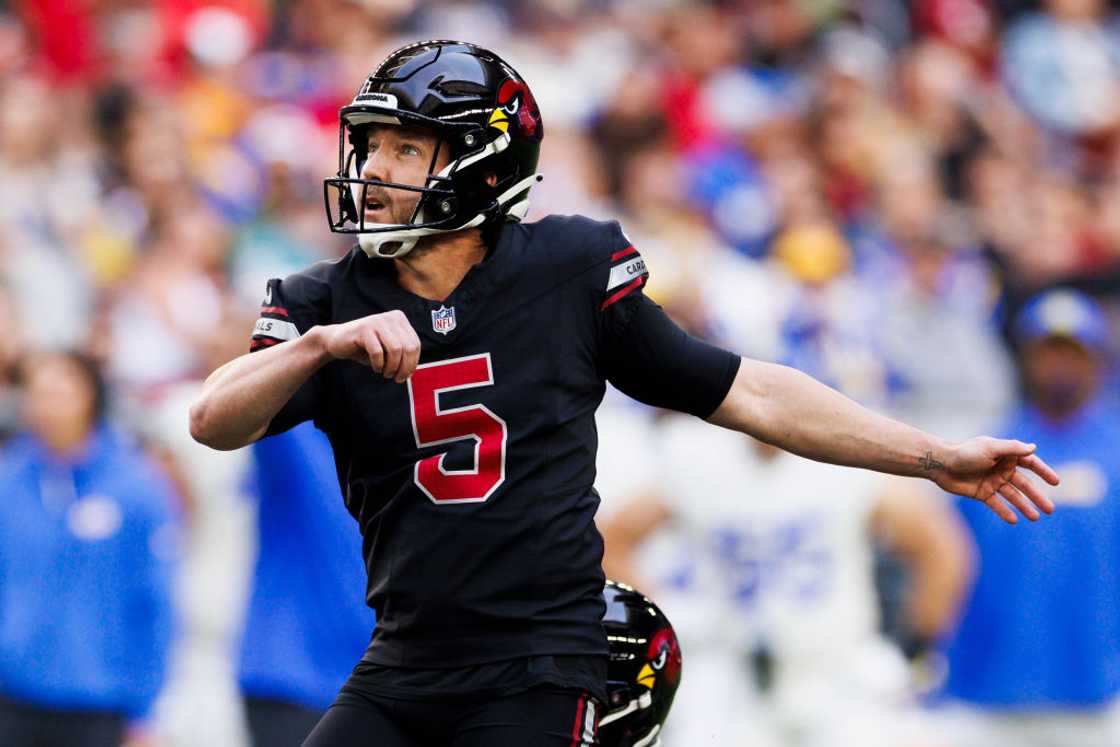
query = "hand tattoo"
{"x": 929, "y": 464}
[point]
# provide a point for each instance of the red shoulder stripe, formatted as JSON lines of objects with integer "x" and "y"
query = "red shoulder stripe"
{"x": 623, "y": 253}
{"x": 623, "y": 291}
{"x": 274, "y": 310}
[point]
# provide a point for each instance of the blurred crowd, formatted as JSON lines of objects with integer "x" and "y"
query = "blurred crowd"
{"x": 873, "y": 191}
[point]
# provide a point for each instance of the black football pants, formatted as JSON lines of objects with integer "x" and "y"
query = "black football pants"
{"x": 24, "y": 725}
{"x": 541, "y": 717}
{"x": 274, "y": 723}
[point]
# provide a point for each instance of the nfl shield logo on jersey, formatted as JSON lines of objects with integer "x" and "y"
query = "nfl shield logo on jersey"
{"x": 443, "y": 319}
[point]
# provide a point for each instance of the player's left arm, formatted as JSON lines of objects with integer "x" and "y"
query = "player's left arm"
{"x": 793, "y": 411}
{"x": 654, "y": 361}
{"x": 647, "y": 356}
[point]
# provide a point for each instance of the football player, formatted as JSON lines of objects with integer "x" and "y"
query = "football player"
{"x": 454, "y": 358}
{"x": 776, "y": 601}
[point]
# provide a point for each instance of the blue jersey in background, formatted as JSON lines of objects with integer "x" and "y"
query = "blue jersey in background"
{"x": 87, "y": 557}
{"x": 308, "y": 623}
{"x": 1042, "y": 628}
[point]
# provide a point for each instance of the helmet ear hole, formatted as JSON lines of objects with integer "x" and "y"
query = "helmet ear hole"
{"x": 491, "y": 179}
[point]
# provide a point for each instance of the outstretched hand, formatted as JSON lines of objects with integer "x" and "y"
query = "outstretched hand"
{"x": 993, "y": 471}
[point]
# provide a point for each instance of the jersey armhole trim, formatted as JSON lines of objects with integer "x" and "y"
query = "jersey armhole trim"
{"x": 256, "y": 343}
{"x": 624, "y": 291}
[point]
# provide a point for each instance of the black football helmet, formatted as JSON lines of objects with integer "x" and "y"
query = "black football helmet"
{"x": 644, "y": 669}
{"x": 481, "y": 110}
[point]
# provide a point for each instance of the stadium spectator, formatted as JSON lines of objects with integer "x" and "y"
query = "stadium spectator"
{"x": 306, "y": 624}
{"x": 826, "y": 328}
{"x": 161, "y": 323}
{"x": 1034, "y": 662}
{"x": 1063, "y": 64}
{"x": 88, "y": 538}
{"x": 200, "y": 703}
{"x": 937, "y": 337}
{"x": 46, "y": 190}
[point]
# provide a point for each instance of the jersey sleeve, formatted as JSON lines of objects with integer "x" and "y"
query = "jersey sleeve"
{"x": 643, "y": 352}
{"x": 290, "y": 308}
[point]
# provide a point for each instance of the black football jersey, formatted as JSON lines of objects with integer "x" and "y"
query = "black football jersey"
{"x": 472, "y": 482}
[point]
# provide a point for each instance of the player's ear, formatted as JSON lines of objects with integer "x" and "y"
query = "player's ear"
{"x": 491, "y": 179}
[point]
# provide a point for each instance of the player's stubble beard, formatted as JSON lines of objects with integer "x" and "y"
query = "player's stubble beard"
{"x": 399, "y": 212}
{"x": 392, "y": 208}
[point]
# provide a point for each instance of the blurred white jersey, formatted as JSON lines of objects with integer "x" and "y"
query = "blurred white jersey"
{"x": 781, "y": 562}
{"x": 783, "y": 541}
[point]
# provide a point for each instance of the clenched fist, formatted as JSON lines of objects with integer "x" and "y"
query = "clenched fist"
{"x": 387, "y": 343}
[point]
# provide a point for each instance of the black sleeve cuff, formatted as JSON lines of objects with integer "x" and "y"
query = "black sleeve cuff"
{"x": 656, "y": 362}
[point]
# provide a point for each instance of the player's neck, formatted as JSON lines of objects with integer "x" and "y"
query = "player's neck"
{"x": 439, "y": 263}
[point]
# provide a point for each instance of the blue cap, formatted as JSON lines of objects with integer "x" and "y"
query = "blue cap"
{"x": 1063, "y": 313}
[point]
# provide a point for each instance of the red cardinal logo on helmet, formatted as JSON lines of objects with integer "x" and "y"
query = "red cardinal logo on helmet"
{"x": 664, "y": 654}
{"x": 516, "y": 104}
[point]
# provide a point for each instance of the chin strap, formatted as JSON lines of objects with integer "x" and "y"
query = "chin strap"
{"x": 519, "y": 209}
{"x": 375, "y": 244}
{"x": 643, "y": 701}
{"x": 653, "y": 739}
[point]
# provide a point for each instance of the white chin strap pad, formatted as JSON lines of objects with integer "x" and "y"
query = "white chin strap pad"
{"x": 379, "y": 245}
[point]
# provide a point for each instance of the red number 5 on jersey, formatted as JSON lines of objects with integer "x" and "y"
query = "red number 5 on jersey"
{"x": 433, "y": 426}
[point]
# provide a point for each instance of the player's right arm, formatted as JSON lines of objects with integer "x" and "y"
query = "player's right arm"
{"x": 241, "y": 398}
{"x": 272, "y": 388}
